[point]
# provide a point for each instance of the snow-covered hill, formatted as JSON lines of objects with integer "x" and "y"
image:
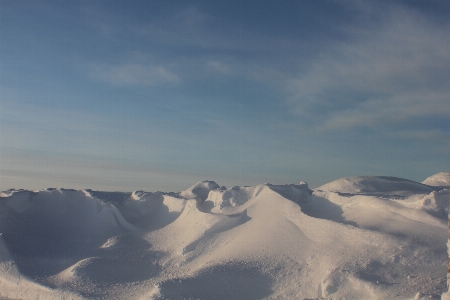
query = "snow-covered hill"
{"x": 354, "y": 238}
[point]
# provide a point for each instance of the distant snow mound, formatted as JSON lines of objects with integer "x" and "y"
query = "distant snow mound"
{"x": 376, "y": 185}
{"x": 239, "y": 195}
{"x": 200, "y": 190}
{"x": 439, "y": 179}
{"x": 137, "y": 208}
{"x": 109, "y": 197}
{"x": 235, "y": 196}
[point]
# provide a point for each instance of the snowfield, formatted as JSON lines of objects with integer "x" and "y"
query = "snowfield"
{"x": 366, "y": 237}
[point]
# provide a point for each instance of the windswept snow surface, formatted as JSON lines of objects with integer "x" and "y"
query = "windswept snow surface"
{"x": 354, "y": 238}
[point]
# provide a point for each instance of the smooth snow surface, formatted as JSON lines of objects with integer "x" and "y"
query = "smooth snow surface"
{"x": 354, "y": 238}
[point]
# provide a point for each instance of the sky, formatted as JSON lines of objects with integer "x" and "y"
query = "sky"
{"x": 158, "y": 95}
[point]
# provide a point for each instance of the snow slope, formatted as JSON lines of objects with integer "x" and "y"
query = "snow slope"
{"x": 354, "y": 238}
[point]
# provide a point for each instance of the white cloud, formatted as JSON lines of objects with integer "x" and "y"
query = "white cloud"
{"x": 219, "y": 66}
{"x": 134, "y": 74}
{"x": 396, "y": 109}
{"x": 391, "y": 72}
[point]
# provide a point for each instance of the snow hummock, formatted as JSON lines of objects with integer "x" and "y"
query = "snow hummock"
{"x": 376, "y": 185}
{"x": 439, "y": 179}
{"x": 200, "y": 190}
{"x": 366, "y": 237}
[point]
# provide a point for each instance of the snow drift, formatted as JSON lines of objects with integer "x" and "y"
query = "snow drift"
{"x": 355, "y": 238}
{"x": 440, "y": 179}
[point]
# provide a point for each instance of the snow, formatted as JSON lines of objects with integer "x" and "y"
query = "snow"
{"x": 376, "y": 185}
{"x": 366, "y": 237}
{"x": 439, "y": 179}
{"x": 200, "y": 190}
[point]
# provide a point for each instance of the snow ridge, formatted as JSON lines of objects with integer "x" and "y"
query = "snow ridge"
{"x": 366, "y": 237}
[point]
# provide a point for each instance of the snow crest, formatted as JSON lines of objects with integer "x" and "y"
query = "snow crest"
{"x": 439, "y": 179}
{"x": 200, "y": 190}
{"x": 376, "y": 185}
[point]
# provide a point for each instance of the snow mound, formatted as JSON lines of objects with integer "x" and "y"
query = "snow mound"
{"x": 200, "y": 190}
{"x": 109, "y": 197}
{"x": 47, "y": 231}
{"x": 375, "y": 185}
{"x": 15, "y": 286}
{"x": 138, "y": 208}
{"x": 439, "y": 179}
{"x": 239, "y": 195}
{"x": 233, "y": 197}
{"x": 141, "y": 207}
{"x": 64, "y": 216}
{"x": 437, "y": 203}
{"x": 348, "y": 240}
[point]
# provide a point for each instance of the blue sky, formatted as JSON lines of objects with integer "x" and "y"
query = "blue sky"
{"x": 158, "y": 95}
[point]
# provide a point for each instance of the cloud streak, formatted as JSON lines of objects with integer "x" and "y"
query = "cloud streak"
{"x": 392, "y": 72}
{"x": 134, "y": 74}
{"x": 383, "y": 74}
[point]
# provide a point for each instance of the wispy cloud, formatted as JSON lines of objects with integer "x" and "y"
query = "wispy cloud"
{"x": 397, "y": 109}
{"x": 219, "y": 66}
{"x": 134, "y": 74}
{"x": 391, "y": 72}
{"x": 433, "y": 134}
